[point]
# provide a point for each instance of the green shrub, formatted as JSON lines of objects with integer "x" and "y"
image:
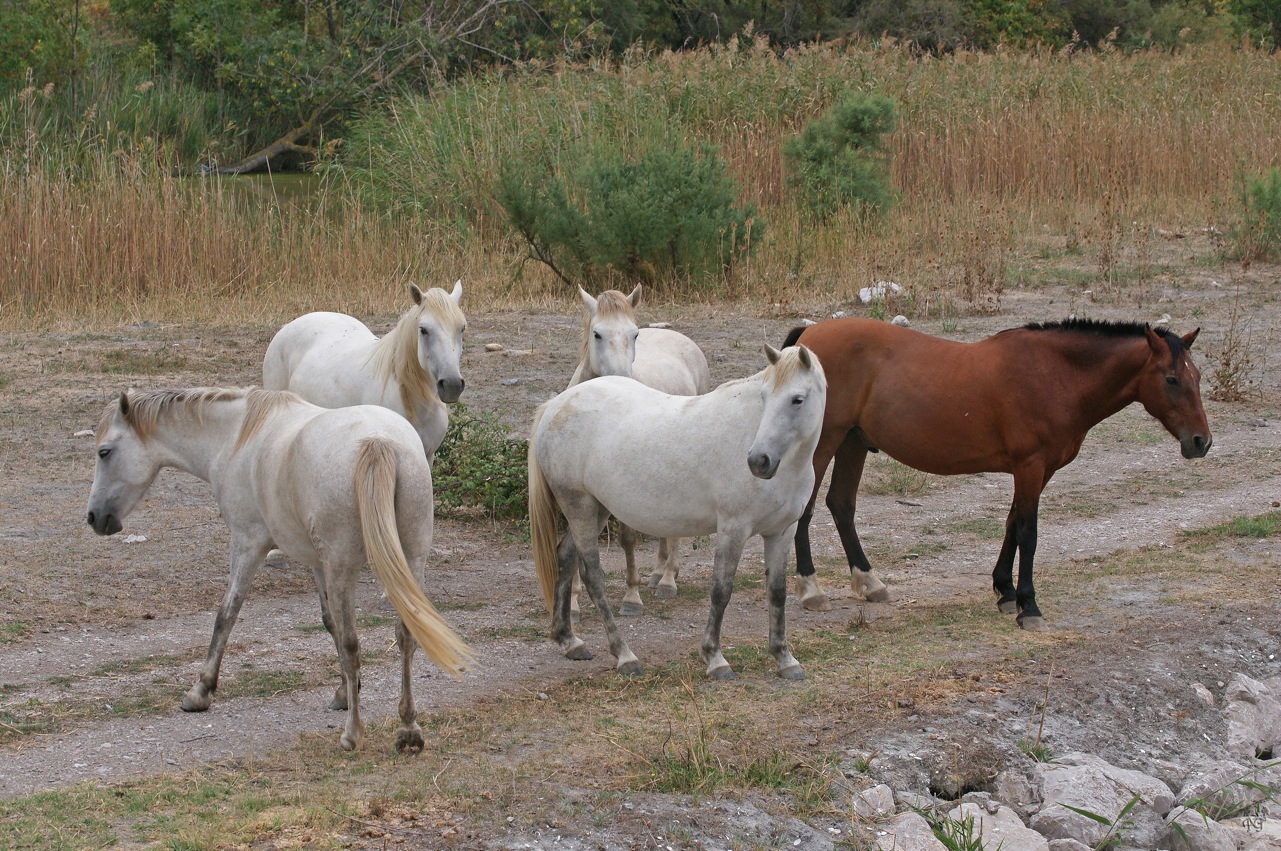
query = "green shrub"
{"x": 839, "y": 159}
{"x": 669, "y": 212}
{"x": 481, "y": 466}
{"x": 1259, "y": 234}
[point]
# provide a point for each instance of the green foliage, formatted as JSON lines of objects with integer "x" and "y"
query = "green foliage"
{"x": 1022, "y": 23}
{"x": 1116, "y": 826}
{"x": 1259, "y": 526}
{"x": 669, "y": 212}
{"x": 839, "y": 159}
{"x": 36, "y": 37}
{"x": 1259, "y": 234}
{"x": 481, "y": 466}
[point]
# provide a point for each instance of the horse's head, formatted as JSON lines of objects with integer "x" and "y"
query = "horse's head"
{"x": 609, "y": 332}
{"x": 1170, "y": 390}
{"x": 124, "y": 469}
{"x": 440, "y": 338}
{"x": 795, "y": 392}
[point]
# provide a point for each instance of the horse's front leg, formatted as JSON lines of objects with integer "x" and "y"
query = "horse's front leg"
{"x": 632, "y": 604}
{"x": 247, "y": 552}
{"x": 729, "y": 549}
{"x": 842, "y": 500}
{"x": 1020, "y": 534}
{"x": 776, "y": 582}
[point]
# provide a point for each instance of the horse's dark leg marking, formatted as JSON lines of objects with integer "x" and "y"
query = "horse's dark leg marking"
{"x": 567, "y": 565}
{"x": 594, "y": 581}
{"x": 1029, "y": 480}
{"x": 409, "y": 738}
{"x": 804, "y": 558}
{"x": 245, "y": 558}
{"x": 339, "y": 702}
{"x": 1029, "y": 616}
{"x": 842, "y": 499}
{"x": 776, "y": 581}
{"x": 729, "y": 549}
{"x": 1003, "y": 573}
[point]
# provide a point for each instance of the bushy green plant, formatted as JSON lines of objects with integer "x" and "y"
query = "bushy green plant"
{"x": 839, "y": 159}
{"x": 668, "y": 212}
{"x": 481, "y": 466}
{"x": 1259, "y": 234}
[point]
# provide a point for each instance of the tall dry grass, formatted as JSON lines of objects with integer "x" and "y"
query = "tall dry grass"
{"x": 998, "y": 157}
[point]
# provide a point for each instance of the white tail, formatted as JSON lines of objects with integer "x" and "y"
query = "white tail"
{"x": 375, "y": 483}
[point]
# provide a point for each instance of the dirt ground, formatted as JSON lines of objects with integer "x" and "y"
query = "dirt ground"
{"x": 89, "y": 620}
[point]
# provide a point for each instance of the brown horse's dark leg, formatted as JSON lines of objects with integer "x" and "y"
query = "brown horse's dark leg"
{"x": 812, "y": 596}
{"x": 1003, "y": 573}
{"x": 1020, "y": 533}
{"x": 842, "y": 498}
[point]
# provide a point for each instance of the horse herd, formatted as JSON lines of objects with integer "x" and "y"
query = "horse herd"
{"x": 336, "y": 472}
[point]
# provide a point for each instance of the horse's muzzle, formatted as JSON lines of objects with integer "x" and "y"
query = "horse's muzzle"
{"x": 1196, "y": 446}
{"x": 449, "y": 389}
{"x": 762, "y": 465}
{"x": 104, "y": 524}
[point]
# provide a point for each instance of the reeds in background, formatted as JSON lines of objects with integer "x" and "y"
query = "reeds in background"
{"x": 1032, "y": 167}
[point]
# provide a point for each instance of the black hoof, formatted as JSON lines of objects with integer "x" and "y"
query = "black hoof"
{"x": 409, "y": 741}
{"x": 579, "y": 653}
{"x": 792, "y": 672}
{"x": 631, "y": 610}
{"x": 724, "y": 672}
{"x": 1033, "y": 623}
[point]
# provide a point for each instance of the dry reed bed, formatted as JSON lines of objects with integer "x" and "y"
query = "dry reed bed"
{"x": 993, "y": 153}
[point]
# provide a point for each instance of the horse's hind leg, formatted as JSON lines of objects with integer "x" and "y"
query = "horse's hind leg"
{"x": 409, "y": 738}
{"x": 342, "y": 592}
{"x": 842, "y": 497}
{"x": 807, "y": 587}
{"x": 339, "y": 703}
{"x": 567, "y": 562}
{"x": 245, "y": 558}
{"x": 663, "y": 579}
{"x": 632, "y": 604}
{"x": 586, "y": 533}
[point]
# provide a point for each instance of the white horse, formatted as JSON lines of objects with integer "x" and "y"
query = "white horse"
{"x": 660, "y": 358}
{"x": 334, "y": 489}
{"x": 333, "y": 360}
{"x": 737, "y": 461}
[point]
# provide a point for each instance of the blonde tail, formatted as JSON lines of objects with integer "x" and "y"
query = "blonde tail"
{"x": 375, "y": 483}
{"x": 542, "y": 520}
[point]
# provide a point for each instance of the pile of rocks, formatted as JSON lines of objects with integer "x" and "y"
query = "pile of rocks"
{"x": 1080, "y": 801}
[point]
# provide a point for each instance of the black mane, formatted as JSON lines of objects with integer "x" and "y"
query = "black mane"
{"x": 1110, "y": 329}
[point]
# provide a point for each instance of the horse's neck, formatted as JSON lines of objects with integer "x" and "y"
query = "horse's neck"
{"x": 195, "y": 445}
{"x": 1115, "y": 370}
{"x": 583, "y": 373}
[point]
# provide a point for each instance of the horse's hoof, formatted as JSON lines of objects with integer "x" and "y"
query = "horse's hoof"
{"x": 630, "y": 609}
{"x": 665, "y": 592}
{"x": 880, "y": 595}
{"x": 579, "y": 653}
{"x": 1007, "y": 607}
{"x": 817, "y": 603}
{"x": 654, "y": 579}
{"x": 1033, "y": 623}
{"x": 631, "y": 669}
{"x": 792, "y": 672}
{"x": 409, "y": 741}
{"x": 724, "y": 672}
{"x": 348, "y": 743}
{"x": 192, "y": 704}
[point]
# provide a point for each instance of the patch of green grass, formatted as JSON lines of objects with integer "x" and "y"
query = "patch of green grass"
{"x": 520, "y": 632}
{"x": 886, "y": 477}
{"x": 984, "y": 527}
{"x": 145, "y": 663}
{"x": 254, "y": 683}
{"x": 1256, "y": 526}
{"x": 141, "y": 362}
{"x": 14, "y": 631}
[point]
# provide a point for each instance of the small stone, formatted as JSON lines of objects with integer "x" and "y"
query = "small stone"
{"x": 660, "y": 325}
{"x": 494, "y": 347}
{"x": 510, "y": 382}
{"x": 900, "y": 321}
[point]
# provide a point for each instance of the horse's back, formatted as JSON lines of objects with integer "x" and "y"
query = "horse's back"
{"x": 671, "y": 362}
{"x": 315, "y": 356}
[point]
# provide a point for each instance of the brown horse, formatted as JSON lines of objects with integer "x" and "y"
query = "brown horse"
{"x": 1019, "y": 402}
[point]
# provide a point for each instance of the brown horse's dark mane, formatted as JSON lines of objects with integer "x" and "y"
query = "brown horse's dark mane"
{"x": 1103, "y": 328}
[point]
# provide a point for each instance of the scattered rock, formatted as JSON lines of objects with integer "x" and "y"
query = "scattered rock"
{"x": 1253, "y": 712}
{"x": 1013, "y": 787}
{"x": 660, "y": 325}
{"x": 1089, "y": 783}
{"x": 510, "y": 382}
{"x": 1068, "y": 845}
{"x": 1002, "y": 829}
{"x": 1219, "y": 790}
{"x": 878, "y": 290}
{"x": 84, "y": 432}
{"x": 494, "y": 347}
{"x": 909, "y": 832}
{"x": 840, "y": 314}
{"x": 874, "y": 803}
{"x": 807, "y": 323}
{"x": 1195, "y": 832}
{"x": 901, "y": 321}
{"x": 1203, "y": 694}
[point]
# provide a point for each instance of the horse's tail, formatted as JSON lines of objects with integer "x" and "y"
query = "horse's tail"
{"x": 375, "y": 483}
{"x": 793, "y": 336}
{"x": 542, "y": 519}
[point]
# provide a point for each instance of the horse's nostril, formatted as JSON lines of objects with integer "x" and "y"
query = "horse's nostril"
{"x": 90, "y": 518}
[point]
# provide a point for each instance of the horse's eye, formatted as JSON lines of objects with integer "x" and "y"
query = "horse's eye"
{"x": 596, "y": 334}
{"x": 798, "y": 400}
{"x": 1171, "y": 380}
{"x": 423, "y": 331}
{"x": 103, "y": 453}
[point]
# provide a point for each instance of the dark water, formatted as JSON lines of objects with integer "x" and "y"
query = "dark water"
{"x": 264, "y": 189}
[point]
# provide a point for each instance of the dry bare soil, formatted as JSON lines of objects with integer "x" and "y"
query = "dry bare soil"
{"x": 99, "y": 637}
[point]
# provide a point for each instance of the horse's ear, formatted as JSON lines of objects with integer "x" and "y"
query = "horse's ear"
{"x": 457, "y": 294}
{"x": 416, "y": 294}
{"x": 1190, "y": 338}
{"x": 1158, "y": 346}
{"x": 772, "y": 353}
{"x": 805, "y": 357}
{"x": 124, "y": 404}
{"x": 634, "y": 298}
{"x": 588, "y": 300}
